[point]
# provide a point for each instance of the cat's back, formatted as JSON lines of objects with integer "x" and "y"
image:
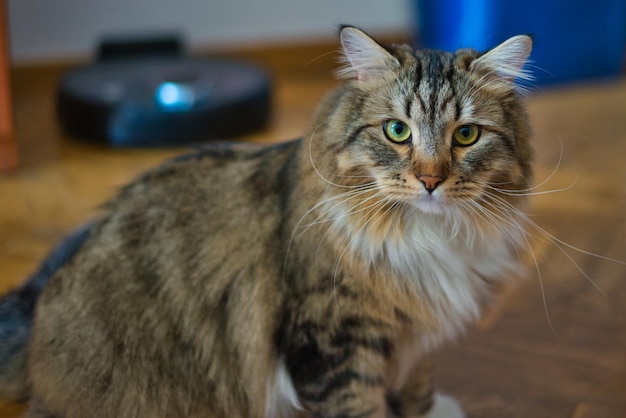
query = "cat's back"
{"x": 209, "y": 177}
{"x": 197, "y": 206}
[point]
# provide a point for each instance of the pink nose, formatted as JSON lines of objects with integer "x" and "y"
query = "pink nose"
{"x": 431, "y": 182}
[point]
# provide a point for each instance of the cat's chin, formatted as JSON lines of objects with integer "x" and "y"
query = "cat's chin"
{"x": 430, "y": 205}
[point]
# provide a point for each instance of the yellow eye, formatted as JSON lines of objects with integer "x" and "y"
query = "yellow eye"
{"x": 467, "y": 135}
{"x": 397, "y": 131}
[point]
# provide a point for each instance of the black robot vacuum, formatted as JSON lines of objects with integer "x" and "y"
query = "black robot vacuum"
{"x": 154, "y": 98}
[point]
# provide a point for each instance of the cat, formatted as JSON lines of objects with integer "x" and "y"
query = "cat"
{"x": 310, "y": 278}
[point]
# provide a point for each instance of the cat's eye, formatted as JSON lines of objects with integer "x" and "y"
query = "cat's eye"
{"x": 397, "y": 131}
{"x": 466, "y": 135}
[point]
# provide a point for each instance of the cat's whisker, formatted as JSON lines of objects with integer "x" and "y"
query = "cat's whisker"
{"x": 479, "y": 85}
{"x": 493, "y": 82}
{"x": 321, "y": 218}
{"x": 340, "y": 203}
{"x": 486, "y": 215}
{"x": 557, "y": 242}
{"x": 404, "y": 92}
{"x": 541, "y": 284}
{"x": 376, "y": 207}
{"x": 381, "y": 203}
{"x": 502, "y": 224}
{"x": 492, "y": 79}
{"x": 526, "y": 191}
{"x": 351, "y": 194}
{"x": 345, "y": 176}
{"x": 380, "y": 198}
{"x": 315, "y": 167}
{"x": 346, "y": 196}
{"x": 366, "y": 188}
{"x": 496, "y": 221}
{"x": 324, "y": 55}
{"x": 489, "y": 214}
{"x": 555, "y": 169}
{"x": 535, "y": 86}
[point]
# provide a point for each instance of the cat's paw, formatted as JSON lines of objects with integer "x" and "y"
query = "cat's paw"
{"x": 445, "y": 407}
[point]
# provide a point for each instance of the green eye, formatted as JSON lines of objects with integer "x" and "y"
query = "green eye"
{"x": 467, "y": 135}
{"x": 397, "y": 131}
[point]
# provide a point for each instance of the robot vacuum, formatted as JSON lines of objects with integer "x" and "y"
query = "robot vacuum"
{"x": 163, "y": 100}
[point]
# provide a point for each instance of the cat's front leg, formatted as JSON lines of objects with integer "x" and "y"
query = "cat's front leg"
{"x": 334, "y": 380}
{"x": 345, "y": 394}
{"x": 417, "y": 399}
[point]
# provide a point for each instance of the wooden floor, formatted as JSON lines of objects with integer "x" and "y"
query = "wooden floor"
{"x": 555, "y": 346}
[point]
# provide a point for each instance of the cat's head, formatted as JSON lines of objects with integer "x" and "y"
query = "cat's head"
{"x": 429, "y": 129}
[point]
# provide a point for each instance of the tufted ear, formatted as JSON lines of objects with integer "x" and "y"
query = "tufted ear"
{"x": 364, "y": 58}
{"x": 507, "y": 60}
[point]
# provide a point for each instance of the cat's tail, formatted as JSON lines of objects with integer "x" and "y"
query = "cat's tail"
{"x": 16, "y": 317}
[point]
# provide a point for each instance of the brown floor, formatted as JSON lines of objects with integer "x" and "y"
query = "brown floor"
{"x": 555, "y": 346}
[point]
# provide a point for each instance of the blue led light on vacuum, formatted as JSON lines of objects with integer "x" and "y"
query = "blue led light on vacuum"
{"x": 175, "y": 97}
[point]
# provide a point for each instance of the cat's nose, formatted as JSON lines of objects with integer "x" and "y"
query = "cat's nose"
{"x": 431, "y": 182}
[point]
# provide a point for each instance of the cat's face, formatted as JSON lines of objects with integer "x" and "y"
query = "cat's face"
{"x": 434, "y": 130}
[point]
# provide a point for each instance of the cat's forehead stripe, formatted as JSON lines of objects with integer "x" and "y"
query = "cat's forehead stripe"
{"x": 432, "y": 65}
{"x": 434, "y": 87}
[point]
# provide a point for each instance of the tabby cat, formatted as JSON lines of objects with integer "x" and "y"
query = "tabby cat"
{"x": 309, "y": 278}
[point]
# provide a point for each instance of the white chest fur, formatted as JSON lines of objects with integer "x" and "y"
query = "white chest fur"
{"x": 449, "y": 258}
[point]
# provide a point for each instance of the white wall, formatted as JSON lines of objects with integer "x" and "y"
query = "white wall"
{"x": 43, "y": 30}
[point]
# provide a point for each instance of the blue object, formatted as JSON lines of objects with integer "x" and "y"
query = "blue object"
{"x": 175, "y": 97}
{"x": 573, "y": 39}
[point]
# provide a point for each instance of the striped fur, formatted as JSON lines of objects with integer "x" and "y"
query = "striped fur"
{"x": 310, "y": 278}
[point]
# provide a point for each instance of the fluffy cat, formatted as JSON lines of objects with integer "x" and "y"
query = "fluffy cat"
{"x": 305, "y": 279}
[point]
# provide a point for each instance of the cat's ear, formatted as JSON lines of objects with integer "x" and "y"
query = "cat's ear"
{"x": 365, "y": 59}
{"x": 507, "y": 60}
